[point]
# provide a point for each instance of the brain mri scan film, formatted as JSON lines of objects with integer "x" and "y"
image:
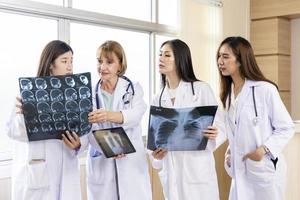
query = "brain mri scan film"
{"x": 55, "y": 82}
{"x": 71, "y": 94}
{"x": 72, "y": 106}
{"x": 84, "y": 116}
{"x": 85, "y": 105}
{"x": 56, "y": 95}
{"x": 70, "y": 81}
{"x": 84, "y": 79}
{"x": 60, "y": 126}
{"x": 72, "y": 116}
{"x": 54, "y": 104}
{"x": 27, "y": 96}
{"x": 26, "y": 84}
{"x": 57, "y": 107}
{"x": 42, "y": 95}
{"x": 43, "y": 107}
{"x": 40, "y": 83}
{"x": 45, "y": 118}
{"x": 73, "y": 126}
{"x": 84, "y": 93}
{"x": 58, "y": 117}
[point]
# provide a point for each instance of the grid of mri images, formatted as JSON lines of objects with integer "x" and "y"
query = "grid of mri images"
{"x": 54, "y": 104}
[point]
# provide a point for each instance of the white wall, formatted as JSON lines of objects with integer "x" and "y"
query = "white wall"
{"x": 295, "y": 68}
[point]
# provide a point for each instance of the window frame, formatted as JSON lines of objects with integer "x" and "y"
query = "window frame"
{"x": 66, "y": 14}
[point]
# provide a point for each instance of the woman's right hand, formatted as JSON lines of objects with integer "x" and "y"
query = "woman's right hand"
{"x": 159, "y": 154}
{"x": 19, "y": 105}
{"x": 72, "y": 140}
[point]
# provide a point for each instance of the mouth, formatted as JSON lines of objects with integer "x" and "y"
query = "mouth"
{"x": 161, "y": 66}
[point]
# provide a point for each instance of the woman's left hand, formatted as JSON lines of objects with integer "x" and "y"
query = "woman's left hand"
{"x": 71, "y": 140}
{"x": 256, "y": 155}
{"x": 99, "y": 116}
{"x": 211, "y": 132}
{"x": 120, "y": 156}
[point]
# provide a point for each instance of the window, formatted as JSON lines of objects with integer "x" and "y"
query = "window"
{"x": 134, "y": 9}
{"x": 30, "y": 25}
{"x": 20, "y": 55}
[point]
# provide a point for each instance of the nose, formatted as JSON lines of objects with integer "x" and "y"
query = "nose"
{"x": 220, "y": 60}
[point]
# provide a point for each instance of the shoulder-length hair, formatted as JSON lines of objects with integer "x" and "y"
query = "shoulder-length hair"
{"x": 249, "y": 69}
{"x": 51, "y": 51}
{"x": 108, "y": 47}
{"x": 183, "y": 61}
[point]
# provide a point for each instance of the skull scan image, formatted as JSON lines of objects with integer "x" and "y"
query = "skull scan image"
{"x": 70, "y": 81}
{"x": 55, "y": 82}
{"x": 31, "y": 119}
{"x": 27, "y": 96}
{"x": 57, "y": 107}
{"x": 84, "y": 92}
{"x": 84, "y": 79}
{"x": 72, "y": 116}
{"x": 32, "y": 128}
{"x": 85, "y": 105}
{"x": 72, "y": 106}
{"x": 29, "y": 109}
{"x": 43, "y": 107}
{"x": 26, "y": 84}
{"x": 40, "y": 83}
{"x": 85, "y": 127}
{"x": 71, "y": 94}
{"x": 84, "y": 116}
{"x": 60, "y": 126}
{"x": 56, "y": 95}
{"x": 58, "y": 117}
{"x": 45, "y": 118}
{"x": 46, "y": 127}
{"x": 73, "y": 126}
{"x": 42, "y": 95}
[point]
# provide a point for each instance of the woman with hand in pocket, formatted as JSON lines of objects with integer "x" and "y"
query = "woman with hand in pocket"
{"x": 258, "y": 125}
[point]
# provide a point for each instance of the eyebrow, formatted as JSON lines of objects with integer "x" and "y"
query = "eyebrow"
{"x": 165, "y": 51}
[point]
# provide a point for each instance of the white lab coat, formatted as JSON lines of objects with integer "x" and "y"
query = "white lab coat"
{"x": 132, "y": 170}
{"x": 42, "y": 170}
{"x": 189, "y": 175}
{"x": 252, "y": 179}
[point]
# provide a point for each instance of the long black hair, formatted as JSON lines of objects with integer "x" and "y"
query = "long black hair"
{"x": 249, "y": 69}
{"x": 183, "y": 61}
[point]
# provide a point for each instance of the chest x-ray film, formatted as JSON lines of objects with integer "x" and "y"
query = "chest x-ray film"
{"x": 54, "y": 104}
{"x": 113, "y": 141}
{"x": 179, "y": 129}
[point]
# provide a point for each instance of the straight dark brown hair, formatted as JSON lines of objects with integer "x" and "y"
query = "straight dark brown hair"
{"x": 51, "y": 51}
{"x": 249, "y": 69}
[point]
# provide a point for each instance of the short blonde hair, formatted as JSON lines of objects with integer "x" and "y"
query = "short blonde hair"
{"x": 108, "y": 47}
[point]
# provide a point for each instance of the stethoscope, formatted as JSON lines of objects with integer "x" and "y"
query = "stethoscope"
{"x": 255, "y": 119}
{"x": 162, "y": 91}
{"x": 125, "y": 98}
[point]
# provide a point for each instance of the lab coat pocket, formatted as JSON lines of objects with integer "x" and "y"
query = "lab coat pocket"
{"x": 260, "y": 171}
{"x": 37, "y": 175}
{"x": 197, "y": 167}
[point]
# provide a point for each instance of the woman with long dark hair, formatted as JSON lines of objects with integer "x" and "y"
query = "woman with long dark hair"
{"x": 45, "y": 169}
{"x": 258, "y": 125}
{"x": 184, "y": 174}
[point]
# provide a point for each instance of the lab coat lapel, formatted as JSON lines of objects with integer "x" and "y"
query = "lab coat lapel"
{"x": 118, "y": 93}
{"x": 181, "y": 93}
{"x": 243, "y": 98}
{"x": 165, "y": 99}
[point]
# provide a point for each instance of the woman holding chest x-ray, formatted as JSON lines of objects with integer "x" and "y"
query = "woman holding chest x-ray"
{"x": 119, "y": 102}
{"x": 46, "y": 169}
{"x": 185, "y": 174}
{"x": 258, "y": 125}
